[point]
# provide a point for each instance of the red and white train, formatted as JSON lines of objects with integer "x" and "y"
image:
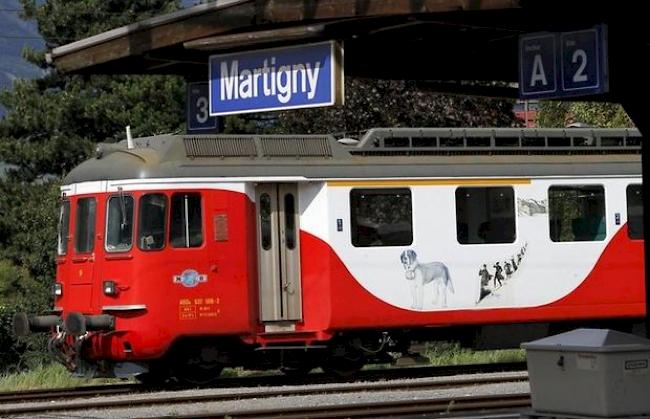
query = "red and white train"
{"x": 179, "y": 255}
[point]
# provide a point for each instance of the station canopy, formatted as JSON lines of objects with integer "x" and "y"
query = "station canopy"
{"x": 443, "y": 43}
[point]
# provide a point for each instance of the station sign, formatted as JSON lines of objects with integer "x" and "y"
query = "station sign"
{"x": 563, "y": 64}
{"x": 199, "y": 120}
{"x": 274, "y": 79}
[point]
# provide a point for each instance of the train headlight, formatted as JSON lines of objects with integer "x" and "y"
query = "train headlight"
{"x": 110, "y": 288}
{"x": 57, "y": 290}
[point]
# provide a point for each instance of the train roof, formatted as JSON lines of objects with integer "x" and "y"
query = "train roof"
{"x": 379, "y": 153}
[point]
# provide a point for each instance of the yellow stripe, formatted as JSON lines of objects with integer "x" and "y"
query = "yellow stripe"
{"x": 428, "y": 182}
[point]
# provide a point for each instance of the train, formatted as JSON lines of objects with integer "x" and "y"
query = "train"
{"x": 180, "y": 255}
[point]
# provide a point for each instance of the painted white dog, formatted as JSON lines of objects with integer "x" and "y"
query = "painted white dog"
{"x": 420, "y": 274}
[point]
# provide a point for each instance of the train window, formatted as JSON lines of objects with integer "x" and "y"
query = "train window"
{"x": 451, "y": 142}
{"x": 559, "y": 142}
{"x": 151, "y": 221}
{"x": 119, "y": 223}
{"x": 533, "y": 141}
{"x": 485, "y": 215}
{"x": 265, "y": 220}
{"x": 396, "y": 142}
{"x": 290, "y": 221}
{"x": 478, "y": 141}
{"x": 185, "y": 229}
{"x": 506, "y": 142}
{"x": 425, "y": 141}
{"x": 576, "y": 213}
{"x": 85, "y": 225}
{"x": 381, "y": 217}
{"x": 635, "y": 212}
{"x": 64, "y": 228}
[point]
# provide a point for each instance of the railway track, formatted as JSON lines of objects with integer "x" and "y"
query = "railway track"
{"x": 211, "y": 396}
{"x": 502, "y": 403}
{"x": 253, "y": 381}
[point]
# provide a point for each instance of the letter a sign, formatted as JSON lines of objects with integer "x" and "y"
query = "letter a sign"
{"x": 561, "y": 64}
{"x": 537, "y": 65}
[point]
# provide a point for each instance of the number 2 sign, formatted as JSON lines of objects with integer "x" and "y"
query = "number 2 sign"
{"x": 563, "y": 64}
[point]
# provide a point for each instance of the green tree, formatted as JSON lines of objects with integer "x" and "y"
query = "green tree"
{"x": 554, "y": 114}
{"x": 396, "y": 103}
{"x": 52, "y": 124}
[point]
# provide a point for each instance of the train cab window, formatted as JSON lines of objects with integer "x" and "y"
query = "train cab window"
{"x": 119, "y": 223}
{"x": 64, "y": 228}
{"x": 186, "y": 229}
{"x": 85, "y": 225}
{"x": 485, "y": 215}
{"x": 152, "y": 214}
{"x": 576, "y": 213}
{"x": 381, "y": 217}
{"x": 635, "y": 212}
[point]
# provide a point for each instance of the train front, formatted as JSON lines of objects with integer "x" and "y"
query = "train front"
{"x": 113, "y": 239}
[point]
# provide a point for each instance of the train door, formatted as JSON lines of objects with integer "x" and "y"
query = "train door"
{"x": 83, "y": 260}
{"x": 278, "y": 252}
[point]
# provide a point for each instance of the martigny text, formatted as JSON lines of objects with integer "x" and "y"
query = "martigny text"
{"x": 267, "y": 80}
{"x": 300, "y": 76}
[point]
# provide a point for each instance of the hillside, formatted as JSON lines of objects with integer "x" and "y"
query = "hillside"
{"x": 15, "y": 34}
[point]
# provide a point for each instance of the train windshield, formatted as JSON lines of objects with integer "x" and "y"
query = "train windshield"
{"x": 119, "y": 224}
{"x": 64, "y": 228}
{"x": 185, "y": 229}
{"x": 151, "y": 221}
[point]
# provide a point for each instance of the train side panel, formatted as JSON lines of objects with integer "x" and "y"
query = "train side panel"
{"x": 553, "y": 281}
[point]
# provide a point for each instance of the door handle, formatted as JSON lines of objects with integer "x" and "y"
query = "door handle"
{"x": 288, "y": 287}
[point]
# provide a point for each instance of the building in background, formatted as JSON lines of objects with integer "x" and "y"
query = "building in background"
{"x": 526, "y": 111}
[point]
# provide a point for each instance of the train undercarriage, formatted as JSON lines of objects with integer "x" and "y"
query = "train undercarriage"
{"x": 201, "y": 360}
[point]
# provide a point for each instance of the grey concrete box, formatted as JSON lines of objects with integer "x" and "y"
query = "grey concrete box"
{"x": 590, "y": 372}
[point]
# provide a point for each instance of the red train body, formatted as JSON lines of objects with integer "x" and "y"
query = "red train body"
{"x": 187, "y": 254}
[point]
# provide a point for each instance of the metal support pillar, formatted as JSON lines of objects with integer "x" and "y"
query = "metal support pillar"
{"x": 632, "y": 88}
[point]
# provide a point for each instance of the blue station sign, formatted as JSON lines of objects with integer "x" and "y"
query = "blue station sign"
{"x": 563, "y": 64}
{"x": 301, "y": 76}
{"x": 198, "y": 112}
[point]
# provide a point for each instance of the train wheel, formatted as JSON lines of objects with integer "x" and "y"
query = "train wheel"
{"x": 344, "y": 365}
{"x": 157, "y": 376}
{"x": 201, "y": 369}
{"x": 344, "y": 360}
{"x": 152, "y": 380}
{"x": 297, "y": 371}
{"x": 343, "y": 368}
{"x": 199, "y": 375}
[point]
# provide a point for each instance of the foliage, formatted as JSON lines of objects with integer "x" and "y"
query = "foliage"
{"x": 447, "y": 353}
{"x": 10, "y": 349}
{"x": 396, "y": 103}
{"x": 597, "y": 114}
{"x": 47, "y": 376}
{"x": 51, "y": 125}
{"x": 28, "y": 227}
{"x": 63, "y": 21}
{"x": 18, "y": 292}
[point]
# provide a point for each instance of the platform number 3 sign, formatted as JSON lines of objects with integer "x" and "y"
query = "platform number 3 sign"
{"x": 198, "y": 110}
{"x": 561, "y": 64}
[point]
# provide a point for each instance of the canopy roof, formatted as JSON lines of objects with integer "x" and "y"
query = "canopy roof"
{"x": 444, "y": 42}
